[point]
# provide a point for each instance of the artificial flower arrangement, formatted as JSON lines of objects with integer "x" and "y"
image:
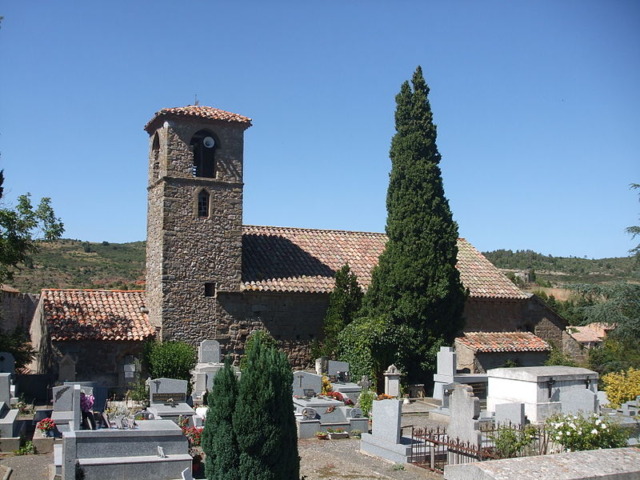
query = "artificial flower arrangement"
{"x": 338, "y": 396}
{"x": 46, "y": 425}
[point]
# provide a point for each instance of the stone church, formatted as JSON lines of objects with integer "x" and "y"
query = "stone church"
{"x": 211, "y": 277}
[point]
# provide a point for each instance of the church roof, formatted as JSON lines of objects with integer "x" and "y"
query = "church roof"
{"x": 284, "y": 259}
{"x": 197, "y": 111}
{"x": 96, "y": 314}
{"x": 495, "y": 342}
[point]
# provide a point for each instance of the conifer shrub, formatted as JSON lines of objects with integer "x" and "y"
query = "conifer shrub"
{"x": 219, "y": 441}
{"x": 263, "y": 420}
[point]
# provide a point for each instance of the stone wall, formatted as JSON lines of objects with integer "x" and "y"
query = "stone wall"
{"x": 98, "y": 361}
{"x": 16, "y": 310}
{"x": 527, "y": 315}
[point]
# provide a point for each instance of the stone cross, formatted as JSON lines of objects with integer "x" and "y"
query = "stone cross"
{"x": 365, "y": 383}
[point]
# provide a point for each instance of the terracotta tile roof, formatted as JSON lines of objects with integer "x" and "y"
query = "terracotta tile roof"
{"x": 481, "y": 277}
{"x": 197, "y": 111}
{"x": 592, "y": 333}
{"x": 96, "y": 314}
{"x": 283, "y": 259}
{"x": 491, "y": 342}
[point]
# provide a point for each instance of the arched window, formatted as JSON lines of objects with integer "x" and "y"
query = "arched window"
{"x": 203, "y": 203}
{"x": 204, "y": 146}
{"x": 155, "y": 154}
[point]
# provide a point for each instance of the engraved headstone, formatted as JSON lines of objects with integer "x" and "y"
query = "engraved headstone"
{"x": 304, "y": 383}
{"x": 167, "y": 390}
{"x": 63, "y": 398}
{"x": 392, "y": 381}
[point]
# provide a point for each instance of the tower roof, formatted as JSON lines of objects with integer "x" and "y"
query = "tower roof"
{"x": 197, "y": 111}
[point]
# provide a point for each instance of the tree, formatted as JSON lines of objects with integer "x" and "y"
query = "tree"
{"x": 263, "y": 420}
{"x": 171, "y": 360}
{"x": 345, "y": 302}
{"x": 416, "y": 284}
{"x": 21, "y": 227}
{"x": 219, "y": 441}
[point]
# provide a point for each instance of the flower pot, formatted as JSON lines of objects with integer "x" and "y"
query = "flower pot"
{"x": 338, "y": 435}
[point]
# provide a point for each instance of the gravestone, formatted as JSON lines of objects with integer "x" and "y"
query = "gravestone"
{"x": 465, "y": 411}
{"x": 166, "y": 390}
{"x": 334, "y": 368}
{"x": 365, "y": 383}
{"x": 7, "y": 363}
{"x": 204, "y": 373}
{"x": 5, "y": 388}
{"x": 579, "y": 400}
{"x": 209, "y": 351}
{"x": 167, "y": 398}
{"x": 392, "y": 381}
{"x": 512, "y": 413}
{"x": 67, "y": 369}
{"x": 387, "y": 416}
{"x": 385, "y": 439}
{"x": 62, "y": 398}
{"x": 306, "y": 384}
{"x": 446, "y": 362}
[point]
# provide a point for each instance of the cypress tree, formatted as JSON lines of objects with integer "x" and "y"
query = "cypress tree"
{"x": 263, "y": 419}
{"x": 219, "y": 441}
{"x": 416, "y": 285}
{"x": 345, "y": 302}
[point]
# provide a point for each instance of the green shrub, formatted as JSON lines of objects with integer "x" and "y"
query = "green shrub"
{"x": 577, "y": 432}
{"x": 366, "y": 401}
{"x": 172, "y": 360}
{"x": 510, "y": 442}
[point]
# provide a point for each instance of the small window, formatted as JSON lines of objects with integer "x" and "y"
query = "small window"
{"x": 203, "y": 203}
{"x": 209, "y": 289}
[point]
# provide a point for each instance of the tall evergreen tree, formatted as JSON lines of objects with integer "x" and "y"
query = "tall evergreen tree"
{"x": 263, "y": 419}
{"x": 345, "y": 302}
{"x": 219, "y": 441}
{"x": 416, "y": 284}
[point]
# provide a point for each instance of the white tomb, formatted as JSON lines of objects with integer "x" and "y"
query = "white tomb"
{"x": 544, "y": 391}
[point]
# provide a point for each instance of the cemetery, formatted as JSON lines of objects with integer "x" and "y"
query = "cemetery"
{"x": 454, "y": 433}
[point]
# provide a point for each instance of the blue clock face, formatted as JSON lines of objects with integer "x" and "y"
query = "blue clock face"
{"x": 209, "y": 142}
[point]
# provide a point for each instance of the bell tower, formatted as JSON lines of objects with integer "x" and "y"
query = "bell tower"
{"x": 194, "y": 218}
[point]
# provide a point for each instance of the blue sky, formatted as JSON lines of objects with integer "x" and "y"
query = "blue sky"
{"x": 537, "y": 105}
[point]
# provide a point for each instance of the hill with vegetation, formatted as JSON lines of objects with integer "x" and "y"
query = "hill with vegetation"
{"x": 70, "y": 263}
{"x": 76, "y": 264}
{"x": 550, "y": 271}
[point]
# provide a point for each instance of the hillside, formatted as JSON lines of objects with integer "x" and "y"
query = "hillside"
{"x": 77, "y": 264}
{"x": 553, "y": 271}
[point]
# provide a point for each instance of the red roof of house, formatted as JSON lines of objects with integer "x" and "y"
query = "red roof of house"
{"x": 96, "y": 314}
{"x": 284, "y": 259}
{"x": 492, "y": 342}
{"x": 198, "y": 111}
{"x": 592, "y": 333}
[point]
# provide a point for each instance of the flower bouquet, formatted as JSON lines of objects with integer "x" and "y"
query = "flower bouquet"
{"x": 46, "y": 426}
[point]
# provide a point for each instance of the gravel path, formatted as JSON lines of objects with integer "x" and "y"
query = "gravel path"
{"x": 341, "y": 459}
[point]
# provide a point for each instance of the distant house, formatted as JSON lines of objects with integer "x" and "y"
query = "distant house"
{"x": 478, "y": 352}
{"x": 592, "y": 335}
